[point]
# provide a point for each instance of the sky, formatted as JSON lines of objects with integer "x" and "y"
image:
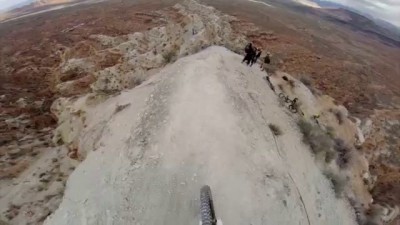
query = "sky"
{"x": 388, "y": 10}
{"x": 6, "y": 4}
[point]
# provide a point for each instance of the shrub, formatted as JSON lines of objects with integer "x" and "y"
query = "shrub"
{"x": 306, "y": 81}
{"x": 373, "y": 215}
{"x": 338, "y": 183}
{"x": 305, "y": 128}
{"x": 119, "y": 108}
{"x": 344, "y": 153}
{"x": 314, "y": 136}
{"x": 169, "y": 56}
{"x": 330, "y": 131}
{"x": 137, "y": 80}
{"x": 320, "y": 141}
{"x": 275, "y": 129}
{"x": 322, "y": 144}
{"x": 358, "y": 211}
{"x": 340, "y": 116}
{"x": 330, "y": 156}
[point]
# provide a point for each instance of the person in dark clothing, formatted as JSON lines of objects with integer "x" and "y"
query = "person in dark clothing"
{"x": 249, "y": 50}
{"x": 247, "y": 58}
{"x": 248, "y": 47}
{"x": 256, "y": 56}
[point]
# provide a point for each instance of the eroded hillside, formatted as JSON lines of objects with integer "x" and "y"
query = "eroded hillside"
{"x": 99, "y": 51}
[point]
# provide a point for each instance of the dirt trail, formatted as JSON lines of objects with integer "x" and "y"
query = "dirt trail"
{"x": 202, "y": 120}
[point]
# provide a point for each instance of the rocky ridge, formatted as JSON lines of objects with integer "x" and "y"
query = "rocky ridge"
{"x": 119, "y": 63}
{"x": 115, "y": 63}
{"x": 141, "y": 54}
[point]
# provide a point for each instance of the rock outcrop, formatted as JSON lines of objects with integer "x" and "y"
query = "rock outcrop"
{"x": 199, "y": 26}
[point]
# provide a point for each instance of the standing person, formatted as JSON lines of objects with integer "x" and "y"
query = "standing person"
{"x": 248, "y": 47}
{"x": 249, "y": 54}
{"x": 247, "y": 51}
{"x": 256, "y": 56}
{"x": 267, "y": 61}
{"x": 252, "y": 54}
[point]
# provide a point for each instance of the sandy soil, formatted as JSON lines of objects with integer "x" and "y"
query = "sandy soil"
{"x": 202, "y": 120}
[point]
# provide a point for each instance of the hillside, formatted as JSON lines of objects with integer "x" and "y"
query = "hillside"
{"x": 355, "y": 22}
{"x": 148, "y": 100}
{"x": 202, "y": 120}
{"x": 358, "y": 22}
{"x": 50, "y": 2}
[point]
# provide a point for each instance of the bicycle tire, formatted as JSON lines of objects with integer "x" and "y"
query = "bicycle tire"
{"x": 283, "y": 97}
{"x": 206, "y": 206}
{"x": 292, "y": 109}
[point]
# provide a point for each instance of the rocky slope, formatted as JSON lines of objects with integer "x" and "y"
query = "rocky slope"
{"x": 202, "y": 120}
{"x": 117, "y": 63}
{"x": 140, "y": 55}
{"x": 91, "y": 75}
{"x": 196, "y": 31}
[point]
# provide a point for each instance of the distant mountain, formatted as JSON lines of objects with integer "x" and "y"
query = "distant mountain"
{"x": 30, "y": 6}
{"x": 382, "y": 29}
{"x": 50, "y": 2}
{"x": 345, "y": 17}
{"x": 308, "y": 3}
{"x": 18, "y": 5}
{"x": 388, "y": 26}
{"x": 328, "y": 4}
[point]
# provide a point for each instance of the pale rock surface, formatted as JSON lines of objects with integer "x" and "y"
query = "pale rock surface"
{"x": 202, "y": 120}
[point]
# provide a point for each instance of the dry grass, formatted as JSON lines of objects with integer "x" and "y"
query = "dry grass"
{"x": 275, "y": 129}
